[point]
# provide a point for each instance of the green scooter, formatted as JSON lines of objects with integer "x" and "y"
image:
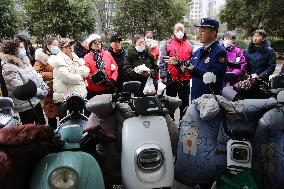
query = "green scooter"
{"x": 71, "y": 168}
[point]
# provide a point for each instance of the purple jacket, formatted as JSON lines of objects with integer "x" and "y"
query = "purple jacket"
{"x": 233, "y": 53}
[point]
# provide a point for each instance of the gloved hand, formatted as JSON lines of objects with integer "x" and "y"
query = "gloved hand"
{"x": 109, "y": 82}
{"x": 99, "y": 77}
{"x": 40, "y": 93}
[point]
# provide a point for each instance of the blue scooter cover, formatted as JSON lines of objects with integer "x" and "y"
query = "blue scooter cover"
{"x": 201, "y": 153}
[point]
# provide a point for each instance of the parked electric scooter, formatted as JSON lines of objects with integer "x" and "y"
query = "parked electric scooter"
{"x": 7, "y": 116}
{"x": 143, "y": 129}
{"x": 239, "y": 155}
{"x": 202, "y": 149}
{"x": 69, "y": 168}
{"x": 267, "y": 155}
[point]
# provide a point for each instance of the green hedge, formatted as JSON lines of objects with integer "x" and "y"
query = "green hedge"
{"x": 242, "y": 43}
{"x": 278, "y": 46}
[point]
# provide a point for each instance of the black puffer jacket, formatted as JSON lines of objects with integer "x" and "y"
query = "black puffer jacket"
{"x": 119, "y": 59}
{"x": 134, "y": 59}
{"x": 261, "y": 60}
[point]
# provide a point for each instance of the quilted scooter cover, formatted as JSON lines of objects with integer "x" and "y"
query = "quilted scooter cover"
{"x": 201, "y": 153}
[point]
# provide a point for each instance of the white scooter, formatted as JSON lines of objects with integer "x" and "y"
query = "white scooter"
{"x": 147, "y": 159}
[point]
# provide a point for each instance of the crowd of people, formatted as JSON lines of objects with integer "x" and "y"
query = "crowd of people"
{"x": 63, "y": 67}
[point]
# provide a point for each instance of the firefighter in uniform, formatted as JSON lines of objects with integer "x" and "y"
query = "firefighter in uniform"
{"x": 212, "y": 57}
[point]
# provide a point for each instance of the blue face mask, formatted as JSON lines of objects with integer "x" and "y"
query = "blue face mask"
{"x": 54, "y": 50}
{"x": 21, "y": 53}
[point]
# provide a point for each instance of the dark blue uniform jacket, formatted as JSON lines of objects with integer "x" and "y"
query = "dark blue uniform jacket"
{"x": 212, "y": 59}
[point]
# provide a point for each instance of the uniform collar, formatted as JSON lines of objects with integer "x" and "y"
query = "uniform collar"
{"x": 206, "y": 47}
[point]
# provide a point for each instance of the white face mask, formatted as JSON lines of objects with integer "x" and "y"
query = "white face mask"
{"x": 140, "y": 48}
{"x": 148, "y": 42}
{"x": 179, "y": 35}
{"x": 227, "y": 43}
{"x": 54, "y": 50}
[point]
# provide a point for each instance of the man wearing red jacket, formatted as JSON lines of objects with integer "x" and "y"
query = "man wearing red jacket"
{"x": 103, "y": 68}
{"x": 174, "y": 55}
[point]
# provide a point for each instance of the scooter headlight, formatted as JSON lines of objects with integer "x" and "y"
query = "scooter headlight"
{"x": 63, "y": 178}
{"x": 240, "y": 153}
{"x": 150, "y": 159}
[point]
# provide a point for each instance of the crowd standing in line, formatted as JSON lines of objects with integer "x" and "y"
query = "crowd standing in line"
{"x": 62, "y": 67}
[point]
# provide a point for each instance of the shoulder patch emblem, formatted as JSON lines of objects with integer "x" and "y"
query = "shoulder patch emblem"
{"x": 207, "y": 60}
{"x": 221, "y": 59}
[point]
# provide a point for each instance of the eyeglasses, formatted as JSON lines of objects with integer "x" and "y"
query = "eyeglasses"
{"x": 97, "y": 42}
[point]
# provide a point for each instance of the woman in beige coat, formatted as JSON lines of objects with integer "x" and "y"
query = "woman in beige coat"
{"x": 69, "y": 73}
{"x": 51, "y": 109}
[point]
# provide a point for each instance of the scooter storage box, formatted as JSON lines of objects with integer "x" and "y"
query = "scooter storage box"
{"x": 101, "y": 105}
{"x": 277, "y": 82}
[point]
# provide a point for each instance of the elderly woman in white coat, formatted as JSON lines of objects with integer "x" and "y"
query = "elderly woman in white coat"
{"x": 69, "y": 72}
{"x": 17, "y": 70}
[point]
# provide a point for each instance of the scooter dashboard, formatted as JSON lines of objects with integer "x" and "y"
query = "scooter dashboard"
{"x": 148, "y": 105}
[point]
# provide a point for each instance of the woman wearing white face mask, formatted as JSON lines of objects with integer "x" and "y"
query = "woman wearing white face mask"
{"x": 50, "y": 47}
{"x": 234, "y": 53}
{"x": 152, "y": 44}
{"x": 17, "y": 70}
{"x": 138, "y": 55}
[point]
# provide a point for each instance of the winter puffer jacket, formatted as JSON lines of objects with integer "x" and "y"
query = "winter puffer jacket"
{"x": 41, "y": 65}
{"x": 17, "y": 72}
{"x": 111, "y": 69}
{"x": 235, "y": 53}
{"x": 134, "y": 59}
{"x": 183, "y": 50}
{"x": 68, "y": 76}
{"x": 261, "y": 61}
